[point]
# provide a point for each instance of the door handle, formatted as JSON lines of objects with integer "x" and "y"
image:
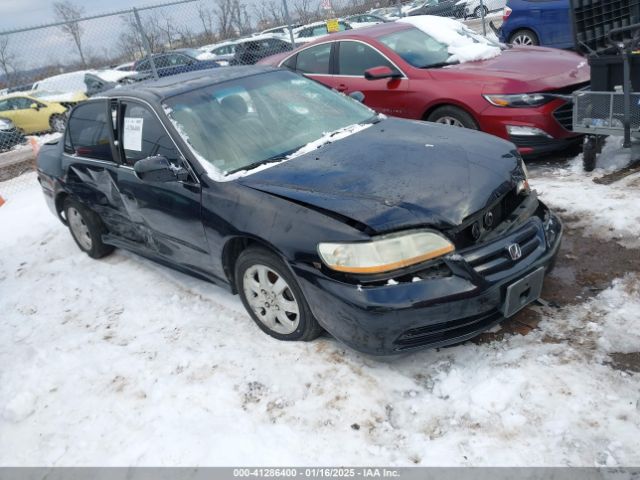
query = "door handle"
{"x": 342, "y": 88}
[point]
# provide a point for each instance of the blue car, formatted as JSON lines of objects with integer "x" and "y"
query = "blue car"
{"x": 537, "y": 22}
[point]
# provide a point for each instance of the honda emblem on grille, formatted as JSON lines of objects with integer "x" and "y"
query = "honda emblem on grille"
{"x": 514, "y": 251}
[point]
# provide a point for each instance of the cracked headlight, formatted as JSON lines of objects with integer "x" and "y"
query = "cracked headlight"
{"x": 384, "y": 253}
{"x": 523, "y": 184}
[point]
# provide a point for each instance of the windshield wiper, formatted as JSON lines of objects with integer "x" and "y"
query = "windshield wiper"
{"x": 276, "y": 158}
{"x": 439, "y": 64}
{"x": 375, "y": 118}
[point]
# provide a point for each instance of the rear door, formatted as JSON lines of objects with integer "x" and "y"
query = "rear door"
{"x": 167, "y": 215}
{"x": 91, "y": 167}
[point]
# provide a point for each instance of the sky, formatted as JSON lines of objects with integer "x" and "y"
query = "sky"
{"x": 26, "y": 13}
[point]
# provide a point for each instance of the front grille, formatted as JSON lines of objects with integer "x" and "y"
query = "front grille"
{"x": 532, "y": 141}
{"x": 564, "y": 115}
{"x": 440, "y": 332}
{"x": 494, "y": 257}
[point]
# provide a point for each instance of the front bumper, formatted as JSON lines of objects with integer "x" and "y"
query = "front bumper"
{"x": 390, "y": 319}
{"x": 554, "y": 119}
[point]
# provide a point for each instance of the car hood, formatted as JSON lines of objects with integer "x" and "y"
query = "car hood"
{"x": 397, "y": 174}
{"x": 523, "y": 70}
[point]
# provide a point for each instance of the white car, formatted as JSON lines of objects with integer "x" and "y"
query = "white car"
{"x": 364, "y": 20}
{"x": 312, "y": 31}
{"x": 473, "y": 8}
{"x": 87, "y": 82}
{"x": 220, "y": 52}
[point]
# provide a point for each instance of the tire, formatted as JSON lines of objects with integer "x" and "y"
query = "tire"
{"x": 524, "y": 37}
{"x": 257, "y": 272}
{"x": 86, "y": 229}
{"x": 478, "y": 11}
{"x": 589, "y": 154}
{"x": 58, "y": 123}
{"x": 454, "y": 116}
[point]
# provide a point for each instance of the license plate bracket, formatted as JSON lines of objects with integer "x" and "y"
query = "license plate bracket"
{"x": 523, "y": 292}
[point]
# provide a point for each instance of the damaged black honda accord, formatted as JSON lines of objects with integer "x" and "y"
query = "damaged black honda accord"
{"x": 389, "y": 234}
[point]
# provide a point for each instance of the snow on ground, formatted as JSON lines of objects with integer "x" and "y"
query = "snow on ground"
{"x": 607, "y": 211}
{"x": 124, "y": 362}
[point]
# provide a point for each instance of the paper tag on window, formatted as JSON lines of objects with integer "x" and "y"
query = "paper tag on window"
{"x": 133, "y": 134}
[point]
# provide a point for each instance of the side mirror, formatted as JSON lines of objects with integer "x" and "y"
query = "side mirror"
{"x": 357, "y": 95}
{"x": 158, "y": 169}
{"x": 379, "y": 73}
{"x": 35, "y": 106}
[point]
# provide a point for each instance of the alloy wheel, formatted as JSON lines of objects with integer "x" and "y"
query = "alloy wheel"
{"x": 452, "y": 121}
{"x": 271, "y": 299}
{"x": 522, "y": 39}
{"x": 79, "y": 228}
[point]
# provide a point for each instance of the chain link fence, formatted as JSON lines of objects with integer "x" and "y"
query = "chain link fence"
{"x": 46, "y": 70}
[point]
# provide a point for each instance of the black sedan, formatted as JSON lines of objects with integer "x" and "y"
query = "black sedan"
{"x": 390, "y": 234}
{"x": 169, "y": 63}
{"x": 441, "y": 8}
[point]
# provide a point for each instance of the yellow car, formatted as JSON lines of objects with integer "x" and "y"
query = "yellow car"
{"x": 37, "y": 112}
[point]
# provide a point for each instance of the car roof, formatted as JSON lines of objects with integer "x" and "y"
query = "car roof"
{"x": 156, "y": 90}
{"x": 373, "y": 31}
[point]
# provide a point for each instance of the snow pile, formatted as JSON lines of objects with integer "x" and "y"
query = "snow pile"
{"x": 607, "y": 211}
{"x": 124, "y": 362}
{"x": 464, "y": 45}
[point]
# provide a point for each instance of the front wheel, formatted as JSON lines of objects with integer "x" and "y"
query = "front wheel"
{"x": 86, "y": 229}
{"x": 271, "y": 295}
{"x": 453, "y": 116}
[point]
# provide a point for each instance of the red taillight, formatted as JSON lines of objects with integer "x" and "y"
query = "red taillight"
{"x": 505, "y": 13}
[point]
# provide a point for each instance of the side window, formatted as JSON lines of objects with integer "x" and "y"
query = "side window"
{"x": 144, "y": 66}
{"x": 355, "y": 57}
{"x": 314, "y": 59}
{"x": 319, "y": 30}
{"x": 144, "y": 136}
{"x": 290, "y": 63}
{"x": 88, "y": 131}
{"x": 4, "y": 105}
{"x": 22, "y": 103}
{"x": 307, "y": 32}
{"x": 343, "y": 26}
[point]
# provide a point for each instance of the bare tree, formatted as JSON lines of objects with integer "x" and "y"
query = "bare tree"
{"x": 206, "y": 17}
{"x": 7, "y": 59}
{"x": 67, "y": 12}
{"x": 224, "y": 13}
{"x": 269, "y": 13}
{"x": 304, "y": 12}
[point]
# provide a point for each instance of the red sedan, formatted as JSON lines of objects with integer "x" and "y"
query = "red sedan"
{"x": 403, "y": 71}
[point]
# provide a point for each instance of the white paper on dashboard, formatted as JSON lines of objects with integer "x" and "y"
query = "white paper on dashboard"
{"x": 133, "y": 134}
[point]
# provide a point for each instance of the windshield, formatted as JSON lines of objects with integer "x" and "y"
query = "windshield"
{"x": 417, "y": 48}
{"x": 247, "y": 122}
{"x": 423, "y": 51}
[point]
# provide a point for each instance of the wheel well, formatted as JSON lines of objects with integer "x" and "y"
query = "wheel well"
{"x": 232, "y": 250}
{"x": 433, "y": 108}
{"x": 59, "y": 202}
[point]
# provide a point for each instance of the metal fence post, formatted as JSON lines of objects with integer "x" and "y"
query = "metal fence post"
{"x": 484, "y": 25}
{"x": 288, "y": 20}
{"x": 145, "y": 43}
{"x": 399, "y": 6}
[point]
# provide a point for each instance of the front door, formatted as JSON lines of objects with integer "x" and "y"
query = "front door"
{"x": 387, "y": 96}
{"x": 167, "y": 215}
